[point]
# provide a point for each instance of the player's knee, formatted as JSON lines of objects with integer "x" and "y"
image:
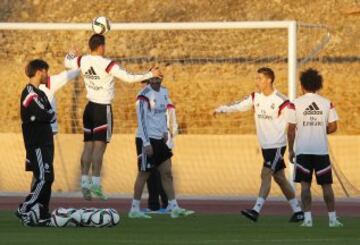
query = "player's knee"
{"x": 167, "y": 175}
{"x": 85, "y": 157}
{"x": 265, "y": 175}
{"x": 280, "y": 180}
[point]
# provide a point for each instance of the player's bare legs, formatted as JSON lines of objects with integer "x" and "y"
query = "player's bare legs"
{"x": 284, "y": 184}
{"x": 329, "y": 198}
{"x": 252, "y": 214}
{"x": 167, "y": 179}
{"x": 138, "y": 190}
{"x": 168, "y": 185}
{"x": 280, "y": 179}
{"x": 97, "y": 155}
{"x": 265, "y": 186}
{"x": 306, "y": 196}
{"x": 139, "y": 184}
{"x": 85, "y": 167}
{"x": 306, "y": 201}
{"x": 289, "y": 193}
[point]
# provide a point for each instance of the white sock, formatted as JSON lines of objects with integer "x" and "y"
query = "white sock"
{"x": 332, "y": 216}
{"x": 96, "y": 180}
{"x": 85, "y": 183}
{"x": 295, "y": 205}
{"x": 135, "y": 205}
{"x": 259, "y": 204}
{"x": 307, "y": 217}
{"x": 172, "y": 204}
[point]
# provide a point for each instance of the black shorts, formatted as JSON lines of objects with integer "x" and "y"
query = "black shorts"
{"x": 97, "y": 122}
{"x": 305, "y": 164}
{"x": 274, "y": 158}
{"x": 161, "y": 154}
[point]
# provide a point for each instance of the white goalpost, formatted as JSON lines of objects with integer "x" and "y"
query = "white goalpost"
{"x": 208, "y": 63}
{"x": 290, "y": 26}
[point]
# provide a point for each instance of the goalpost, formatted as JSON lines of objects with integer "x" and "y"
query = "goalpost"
{"x": 206, "y": 62}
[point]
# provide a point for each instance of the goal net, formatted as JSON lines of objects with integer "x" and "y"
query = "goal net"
{"x": 204, "y": 67}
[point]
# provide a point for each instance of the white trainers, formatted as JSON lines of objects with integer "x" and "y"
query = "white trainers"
{"x": 335, "y": 223}
{"x": 135, "y": 214}
{"x": 180, "y": 212}
{"x": 307, "y": 223}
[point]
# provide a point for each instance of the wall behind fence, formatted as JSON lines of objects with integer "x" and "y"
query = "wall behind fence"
{"x": 203, "y": 165}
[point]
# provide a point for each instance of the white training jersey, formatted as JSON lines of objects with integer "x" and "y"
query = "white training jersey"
{"x": 99, "y": 73}
{"x": 311, "y": 113}
{"x": 151, "y": 109}
{"x": 54, "y": 83}
{"x": 269, "y": 116}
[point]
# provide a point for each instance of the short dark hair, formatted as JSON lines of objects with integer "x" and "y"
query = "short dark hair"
{"x": 311, "y": 80}
{"x": 95, "y": 41}
{"x": 34, "y": 66}
{"x": 268, "y": 72}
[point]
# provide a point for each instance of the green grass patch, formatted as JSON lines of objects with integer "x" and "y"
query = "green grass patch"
{"x": 197, "y": 229}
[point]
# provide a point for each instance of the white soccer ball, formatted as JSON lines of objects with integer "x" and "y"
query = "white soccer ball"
{"x": 115, "y": 217}
{"x": 101, "y": 218}
{"x": 101, "y": 25}
{"x": 86, "y": 214}
{"x": 63, "y": 217}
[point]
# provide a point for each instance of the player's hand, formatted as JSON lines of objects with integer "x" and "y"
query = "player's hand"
{"x": 291, "y": 156}
{"x": 74, "y": 51}
{"x": 156, "y": 71}
{"x": 219, "y": 110}
{"x": 148, "y": 150}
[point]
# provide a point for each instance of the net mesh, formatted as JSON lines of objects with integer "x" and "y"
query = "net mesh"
{"x": 203, "y": 69}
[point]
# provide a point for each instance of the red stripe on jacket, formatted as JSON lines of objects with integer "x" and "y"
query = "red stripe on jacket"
{"x": 110, "y": 66}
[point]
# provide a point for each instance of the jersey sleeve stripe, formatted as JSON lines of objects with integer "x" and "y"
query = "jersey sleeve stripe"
{"x": 170, "y": 106}
{"x": 110, "y": 66}
{"x": 143, "y": 98}
{"x": 28, "y": 99}
{"x": 78, "y": 61}
{"x": 283, "y": 106}
{"x": 48, "y": 84}
{"x": 291, "y": 106}
{"x": 253, "y": 96}
{"x": 100, "y": 128}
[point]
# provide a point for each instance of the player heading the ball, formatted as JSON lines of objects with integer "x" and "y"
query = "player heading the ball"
{"x": 99, "y": 74}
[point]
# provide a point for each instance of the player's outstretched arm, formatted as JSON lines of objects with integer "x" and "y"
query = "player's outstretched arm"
{"x": 129, "y": 77}
{"x": 57, "y": 81}
{"x": 242, "y": 105}
{"x": 72, "y": 59}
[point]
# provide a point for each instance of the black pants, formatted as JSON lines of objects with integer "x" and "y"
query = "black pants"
{"x": 155, "y": 190}
{"x": 41, "y": 160}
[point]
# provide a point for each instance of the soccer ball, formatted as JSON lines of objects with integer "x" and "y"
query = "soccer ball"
{"x": 86, "y": 214}
{"x": 115, "y": 217}
{"x": 101, "y": 218}
{"x": 101, "y": 25}
{"x": 63, "y": 217}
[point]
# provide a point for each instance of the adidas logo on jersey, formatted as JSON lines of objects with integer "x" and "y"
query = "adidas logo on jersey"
{"x": 91, "y": 74}
{"x": 312, "y": 109}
